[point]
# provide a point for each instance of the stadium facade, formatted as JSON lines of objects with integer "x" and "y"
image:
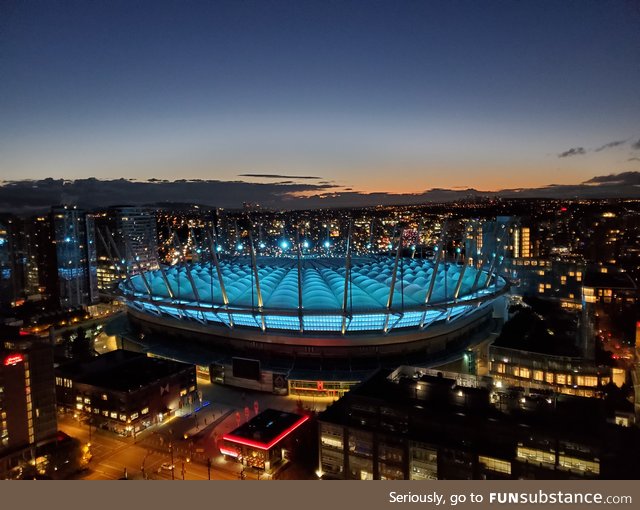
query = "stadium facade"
{"x": 314, "y": 308}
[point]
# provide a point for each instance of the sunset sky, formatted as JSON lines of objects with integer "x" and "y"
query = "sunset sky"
{"x": 397, "y": 96}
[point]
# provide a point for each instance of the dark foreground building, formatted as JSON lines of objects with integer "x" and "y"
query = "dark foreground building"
{"x": 27, "y": 399}
{"x": 404, "y": 424}
{"x": 125, "y": 391}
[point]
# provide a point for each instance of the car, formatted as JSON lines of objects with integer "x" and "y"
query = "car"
{"x": 167, "y": 466}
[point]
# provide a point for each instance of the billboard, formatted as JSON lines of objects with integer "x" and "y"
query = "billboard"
{"x": 245, "y": 368}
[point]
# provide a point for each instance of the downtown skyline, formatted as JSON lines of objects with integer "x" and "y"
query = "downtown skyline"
{"x": 400, "y": 97}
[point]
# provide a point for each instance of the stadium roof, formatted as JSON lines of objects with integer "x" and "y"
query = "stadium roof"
{"x": 323, "y": 283}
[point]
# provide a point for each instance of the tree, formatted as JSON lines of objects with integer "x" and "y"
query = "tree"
{"x": 82, "y": 347}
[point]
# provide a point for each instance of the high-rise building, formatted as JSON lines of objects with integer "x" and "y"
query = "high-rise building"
{"x": 127, "y": 242}
{"x": 73, "y": 238}
{"x": 6, "y": 267}
{"x": 27, "y": 396}
{"x": 40, "y": 267}
{"x": 12, "y": 261}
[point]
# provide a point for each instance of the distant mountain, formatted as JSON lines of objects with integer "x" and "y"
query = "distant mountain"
{"x": 33, "y": 196}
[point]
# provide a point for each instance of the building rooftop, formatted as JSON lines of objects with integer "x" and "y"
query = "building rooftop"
{"x": 445, "y": 400}
{"x": 611, "y": 279}
{"x": 547, "y": 330}
{"x": 322, "y": 283}
{"x": 266, "y": 429}
{"x": 120, "y": 370}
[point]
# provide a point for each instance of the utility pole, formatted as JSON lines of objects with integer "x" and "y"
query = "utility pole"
{"x": 209, "y": 468}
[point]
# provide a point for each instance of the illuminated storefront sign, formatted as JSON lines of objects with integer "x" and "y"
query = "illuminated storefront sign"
{"x": 13, "y": 359}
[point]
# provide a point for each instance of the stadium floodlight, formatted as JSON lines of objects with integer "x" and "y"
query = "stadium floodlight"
{"x": 284, "y": 245}
{"x": 305, "y": 244}
{"x": 239, "y": 247}
{"x": 262, "y": 246}
{"x": 327, "y": 244}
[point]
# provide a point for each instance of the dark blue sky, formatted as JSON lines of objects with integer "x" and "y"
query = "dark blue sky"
{"x": 394, "y": 95}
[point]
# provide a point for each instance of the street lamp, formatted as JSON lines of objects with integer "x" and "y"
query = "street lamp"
{"x": 188, "y": 459}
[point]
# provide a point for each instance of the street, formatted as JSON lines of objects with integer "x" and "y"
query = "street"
{"x": 192, "y": 438}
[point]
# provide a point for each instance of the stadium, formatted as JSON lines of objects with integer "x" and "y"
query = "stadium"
{"x": 314, "y": 307}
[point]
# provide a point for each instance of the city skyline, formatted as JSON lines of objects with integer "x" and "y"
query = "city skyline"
{"x": 399, "y": 97}
{"x": 321, "y": 239}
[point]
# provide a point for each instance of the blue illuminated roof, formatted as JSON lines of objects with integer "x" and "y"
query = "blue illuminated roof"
{"x": 323, "y": 281}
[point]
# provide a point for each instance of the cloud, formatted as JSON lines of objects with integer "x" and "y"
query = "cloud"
{"x": 575, "y": 151}
{"x": 636, "y": 146}
{"x": 624, "y": 178}
{"x": 32, "y": 196}
{"x": 610, "y": 145}
{"x": 278, "y": 176}
{"x": 36, "y": 196}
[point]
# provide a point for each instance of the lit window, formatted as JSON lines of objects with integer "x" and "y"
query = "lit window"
{"x": 497, "y": 465}
{"x": 590, "y": 380}
{"x": 332, "y": 441}
{"x": 574, "y": 464}
{"x": 536, "y": 456}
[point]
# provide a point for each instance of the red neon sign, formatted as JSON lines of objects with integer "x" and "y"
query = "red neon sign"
{"x": 13, "y": 359}
{"x": 263, "y": 446}
{"x": 226, "y": 451}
